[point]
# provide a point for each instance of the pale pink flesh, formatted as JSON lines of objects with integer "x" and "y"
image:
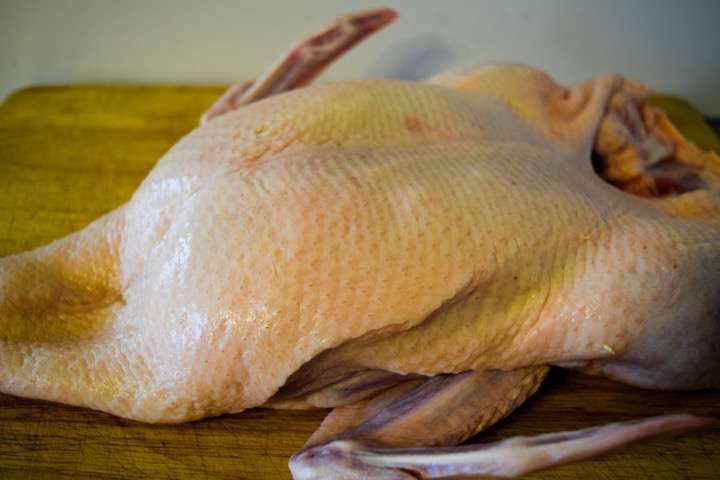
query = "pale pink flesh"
{"x": 508, "y": 458}
{"x": 305, "y": 61}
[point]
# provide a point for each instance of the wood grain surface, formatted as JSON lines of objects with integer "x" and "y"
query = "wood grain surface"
{"x": 69, "y": 154}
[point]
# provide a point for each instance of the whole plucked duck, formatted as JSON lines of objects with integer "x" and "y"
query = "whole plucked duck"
{"x": 415, "y": 255}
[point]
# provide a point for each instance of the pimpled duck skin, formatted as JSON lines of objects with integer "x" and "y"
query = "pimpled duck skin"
{"x": 415, "y": 255}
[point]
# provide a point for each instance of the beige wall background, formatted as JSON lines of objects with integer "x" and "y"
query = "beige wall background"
{"x": 673, "y": 46}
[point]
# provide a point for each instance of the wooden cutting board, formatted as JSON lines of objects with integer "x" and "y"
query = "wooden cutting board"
{"x": 69, "y": 154}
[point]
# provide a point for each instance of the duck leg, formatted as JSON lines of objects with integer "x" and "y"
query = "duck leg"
{"x": 508, "y": 458}
{"x": 388, "y": 436}
{"x": 304, "y": 61}
{"x": 440, "y": 411}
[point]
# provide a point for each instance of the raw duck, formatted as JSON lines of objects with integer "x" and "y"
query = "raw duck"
{"x": 413, "y": 254}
